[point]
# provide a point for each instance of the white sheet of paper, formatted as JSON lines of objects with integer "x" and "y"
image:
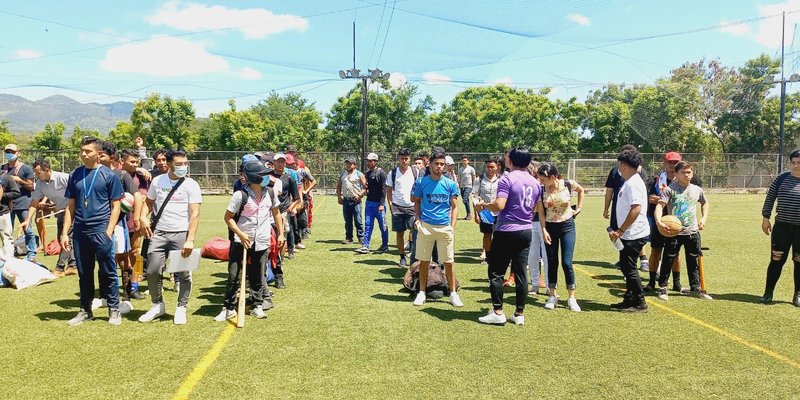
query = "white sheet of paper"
{"x": 177, "y": 263}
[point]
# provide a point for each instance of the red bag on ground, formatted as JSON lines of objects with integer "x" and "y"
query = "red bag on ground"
{"x": 216, "y": 248}
{"x": 53, "y": 248}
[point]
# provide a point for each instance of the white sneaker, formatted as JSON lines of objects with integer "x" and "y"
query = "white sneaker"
{"x": 551, "y": 302}
{"x": 125, "y": 307}
{"x": 573, "y": 304}
{"x": 154, "y": 312}
{"x": 455, "y": 300}
{"x": 493, "y": 318}
{"x": 99, "y": 303}
{"x": 702, "y": 295}
{"x": 180, "y": 316}
{"x": 258, "y": 312}
{"x": 420, "y": 300}
{"x": 662, "y": 294}
{"x": 225, "y": 314}
{"x": 517, "y": 319}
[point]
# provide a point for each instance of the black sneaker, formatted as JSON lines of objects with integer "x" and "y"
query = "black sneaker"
{"x": 290, "y": 255}
{"x": 621, "y": 305}
{"x": 641, "y": 308}
{"x": 796, "y": 299}
{"x": 649, "y": 288}
{"x": 403, "y": 262}
{"x": 766, "y": 298}
{"x": 279, "y": 282}
{"x": 137, "y": 296}
{"x": 267, "y": 304}
{"x": 382, "y": 249}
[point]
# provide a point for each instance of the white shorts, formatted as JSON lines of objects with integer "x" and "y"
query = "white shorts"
{"x": 122, "y": 243}
{"x": 442, "y": 236}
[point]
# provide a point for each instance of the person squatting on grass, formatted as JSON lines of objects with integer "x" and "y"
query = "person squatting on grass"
{"x": 94, "y": 194}
{"x": 375, "y": 207}
{"x": 517, "y": 195}
{"x": 632, "y": 228}
{"x": 257, "y": 202}
{"x": 436, "y": 211}
{"x": 485, "y": 190}
{"x": 350, "y": 188}
{"x": 174, "y": 227}
{"x": 399, "y": 184}
{"x": 560, "y": 227}
{"x": 785, "y": 234}
{"x": 681, "y": 198}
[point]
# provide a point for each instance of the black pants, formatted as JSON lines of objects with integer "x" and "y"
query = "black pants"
{"x": 784, "y": 237}
{"x": 256, "y": 270}
{"x": 672, "y": 246}
{"x": 628, "y": 256}
{"x": 508, "y": 247}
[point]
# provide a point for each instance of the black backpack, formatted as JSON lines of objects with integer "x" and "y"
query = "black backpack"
{"x": 238, "y": 214}
{"x": 396, "y": 170}
{"x": 437, "y": 281}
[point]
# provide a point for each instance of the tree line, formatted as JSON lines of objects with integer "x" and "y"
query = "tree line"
{"x": 701, "y": 107}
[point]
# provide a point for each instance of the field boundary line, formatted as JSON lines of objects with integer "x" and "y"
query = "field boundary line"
{"x": 732, "y": 336}
{"x": 199, "y": 371}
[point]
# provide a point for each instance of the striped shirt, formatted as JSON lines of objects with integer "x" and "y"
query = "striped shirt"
{"x": 788, "y": 196}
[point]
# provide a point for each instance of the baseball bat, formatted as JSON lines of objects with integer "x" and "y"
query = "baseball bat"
{"x": 702, "y": 272}
{"x": 242, "y": 292}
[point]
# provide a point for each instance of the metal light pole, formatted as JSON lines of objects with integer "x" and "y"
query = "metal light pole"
{"x": 771, "y": 81}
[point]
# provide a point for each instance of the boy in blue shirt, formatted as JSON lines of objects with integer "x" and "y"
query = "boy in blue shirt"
{"x": 93, "y": 193}
{"x": 436, "y": 212}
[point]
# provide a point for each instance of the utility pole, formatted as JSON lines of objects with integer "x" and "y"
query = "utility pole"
{"x": 771, "y": 80}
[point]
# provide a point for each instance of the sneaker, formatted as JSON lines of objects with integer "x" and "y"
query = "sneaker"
{"x": 125, "y": 307}
{"x": 455, "y": 299}
{"x": 641, "y": 308}
{"x": 573, "y": 304}
{"x": 99, "y": 303}
{"x": 677, "y": 288}
{"x": 420, "y": 299}
{"x": 114, "y": 317}
{"x": 517, "y": 319}
{"x": 279, "y": 284}
{"x": 71, "y": 270}
{"x": 767, "y": 298}
{"x": 483, "y": 255}
{"x": 620, "y": 306}
{"x": 701, "y": 294}
{"x": 268, "y": 304}
{"x": 180, "y": 316}
{"x": 59, "y": 273}
{"x": 796, "y": 299}
{"x": 137, "y": 296}
{"x": 492, "y": 318}
{"x": 649, "y": 288}
{"x": 362, "y": 250}
{"x": 382, "y": 249}
{"x": 662, "y": 294}
{"x": 300, "y": 246}
{"x": 645, "y": 267}
{"x": 154, "y": 312}
{"x": 402, "y": 262}
{"x": 290, "y": 255}
{"x": 80, "y": 318}
{"x": 225, "y": 314}
{"x": 258, "y": 312}
{"x": 347, "y": 241}
{"x": 551, "y": 302}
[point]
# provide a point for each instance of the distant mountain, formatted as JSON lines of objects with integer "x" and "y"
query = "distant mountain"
{"x": 27, "y": 116}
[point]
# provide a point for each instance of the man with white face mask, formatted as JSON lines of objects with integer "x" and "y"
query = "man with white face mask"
{"x": 23, "y": 176}
{"x": 173, "y": 228}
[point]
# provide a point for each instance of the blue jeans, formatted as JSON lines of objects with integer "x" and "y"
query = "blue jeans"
{"x": 30, "y": 237}
{"x": 562, "y": 235}
{"x": 465, "y": 192}
{"x": 352, "y": 214}
{"x": 372, "y": 214}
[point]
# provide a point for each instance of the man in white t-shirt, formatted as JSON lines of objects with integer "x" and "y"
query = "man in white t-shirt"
{"x": 399, "y": 184}
{"x": 174, "y": 230}
{"x": 631, "y": 212}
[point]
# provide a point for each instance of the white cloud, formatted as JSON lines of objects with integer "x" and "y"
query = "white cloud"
{"x": 250, "y": 74}
{"x": 253, "y": 23}
{"x": 581, "y": 20}
{"x": 736, "y": 29}
{"x": 24, "y": 54}
{"x": 502, "y": 81}
{"x": 432, "y": 78}
{"x": 397, "y": 80}
{"x": 768, "y": 31}
{"x": 164, "y": 56}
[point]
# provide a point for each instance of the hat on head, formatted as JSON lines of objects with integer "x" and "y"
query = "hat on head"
{"x": 291, "y": 148}
{"x": 372, "y": 156}
{"x": 449, "y": 160}
{"x": 254, "y": 171}
{"x": 267, "y": 156}
{"x": 12, "y": 147}
{"x": 351, "y": 160}
{"x": 672, "y": 156}
{"x": 279, "y": 156}
{"x": 248, "y": 157}
{"x": 290, "y": 159}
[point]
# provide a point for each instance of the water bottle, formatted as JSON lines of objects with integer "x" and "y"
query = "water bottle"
{"x": 617, "y": 243}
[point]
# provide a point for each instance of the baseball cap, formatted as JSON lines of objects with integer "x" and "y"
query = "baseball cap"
{"x": 449, "y": 160}
{"x": 248, "y": 157}
{"x": 279, "y": 156}
{"x": 351, "y": 160}
{"x": 291, "y": 148}
{"x": 372, "y": 156}
{"x": 290, "y": 159}
{"x": 672, "y": 156}
{"x": 254, "y": 171}
{"x": 268, "y": 157}
{"x": 11, "y": 147}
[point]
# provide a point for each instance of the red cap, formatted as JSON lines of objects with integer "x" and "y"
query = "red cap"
{"x": 672, "y": 156}
{"x": 289, "y": 159}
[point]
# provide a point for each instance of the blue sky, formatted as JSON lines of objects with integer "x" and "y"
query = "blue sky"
{"x": 209, "y": 52}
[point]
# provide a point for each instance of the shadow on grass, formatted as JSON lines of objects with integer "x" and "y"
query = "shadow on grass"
{"x": 601, "y": 264}
{"x": 398, "y": 281}
{"x": 466, "y": 260}
{"x": 56, "y": 315}
{"x": 349, "y": 249}
{"x": 392, "y": 297}
{"x": 329, "y": 241}
{"x": 452, "y": 315}
{"x": 375, "y": 261}
{"x": 209, "y": 310}
{"x": 469, "y": 252}
{"x": 743, "y": 298}
{"x": 221, "y": 275}
{"x": 607, "y": 277}
{"x": 591, "y": 306}
{"x": 479, "y": 280}
{"x": 394, "y": 272}
{"x": 72, "y": 304}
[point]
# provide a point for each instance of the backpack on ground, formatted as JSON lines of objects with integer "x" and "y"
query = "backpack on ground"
{"x": 216, "y": 248}
{"x": 437, "y": 281}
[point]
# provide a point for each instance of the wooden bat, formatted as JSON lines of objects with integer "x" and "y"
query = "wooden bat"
{"x": 702, "y": 272}
{"x": 242, "y": 292}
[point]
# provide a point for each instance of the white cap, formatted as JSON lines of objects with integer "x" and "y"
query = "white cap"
{"x": 449, "y": 160}
{"x": 372, "y": 156}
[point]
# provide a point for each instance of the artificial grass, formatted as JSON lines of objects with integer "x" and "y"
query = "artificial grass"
{"x": 343, "y": 329}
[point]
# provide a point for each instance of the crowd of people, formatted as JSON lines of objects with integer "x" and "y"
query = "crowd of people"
{"x": 113, "y": 213}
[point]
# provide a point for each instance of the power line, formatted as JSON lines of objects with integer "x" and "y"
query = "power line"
{"x": 386, "y": 35}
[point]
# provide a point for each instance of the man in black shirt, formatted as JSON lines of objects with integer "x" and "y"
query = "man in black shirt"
{"x": 289, "y": 201}
{"x": 376, "y": 205}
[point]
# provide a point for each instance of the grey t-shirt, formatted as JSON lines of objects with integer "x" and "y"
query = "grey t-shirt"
{"x": 682, "y": 203}
{"x": 465, "y": 176}
{"x": 54, "y": 189}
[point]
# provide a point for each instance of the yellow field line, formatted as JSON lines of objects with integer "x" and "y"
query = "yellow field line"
{"x": 199, "y": 370}
{"x": 711, "y": 327}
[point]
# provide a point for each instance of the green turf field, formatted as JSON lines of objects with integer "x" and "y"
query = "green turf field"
{"x": 342, "y": 329}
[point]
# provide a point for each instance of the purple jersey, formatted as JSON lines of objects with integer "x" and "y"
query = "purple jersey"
{"x": 522, "y": 191}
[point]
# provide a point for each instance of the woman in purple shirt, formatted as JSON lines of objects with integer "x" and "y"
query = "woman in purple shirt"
{"x": 517, "y": 195}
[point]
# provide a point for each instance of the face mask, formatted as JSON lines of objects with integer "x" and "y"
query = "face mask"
{"x": 265, "y": 182}
{"x": 181, "y": 171}
{"x": 10, "y": 156}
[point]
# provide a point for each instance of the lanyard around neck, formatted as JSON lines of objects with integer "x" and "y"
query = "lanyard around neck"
{"x": 87, "y": 193}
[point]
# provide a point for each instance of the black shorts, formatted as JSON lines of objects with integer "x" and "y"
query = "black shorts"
{"x": 657, "y": 240}
{"x": 402, "y": 222}
{"x": 486, "y": 228}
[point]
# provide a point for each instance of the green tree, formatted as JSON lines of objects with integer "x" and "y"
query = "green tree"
{"x": 5, "y": 135}
{"x": 290, "y": 119}
{"x": 164, "y": 122}
{"x": 607, "y": 122}
{"x": 51, "y": 138}
{"x": 122, "y": 135}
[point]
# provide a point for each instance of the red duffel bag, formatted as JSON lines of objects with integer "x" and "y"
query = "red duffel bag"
{"x": 216, "y": 249}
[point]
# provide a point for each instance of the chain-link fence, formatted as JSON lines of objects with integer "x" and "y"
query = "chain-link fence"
{"x": 217, "y": 170}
